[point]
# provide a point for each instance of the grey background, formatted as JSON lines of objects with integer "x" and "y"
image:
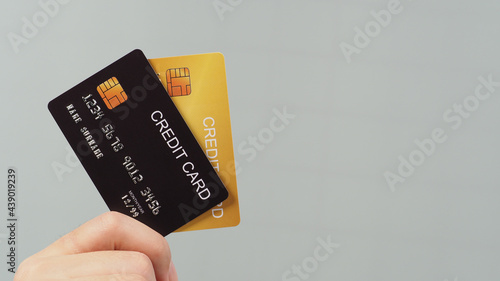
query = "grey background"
{"x": 323, "y": 176}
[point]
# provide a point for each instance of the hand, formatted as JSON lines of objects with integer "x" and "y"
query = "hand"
{"x": 111, "y": 247}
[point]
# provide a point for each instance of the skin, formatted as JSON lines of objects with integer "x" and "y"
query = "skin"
{"x": 110, "y": 247}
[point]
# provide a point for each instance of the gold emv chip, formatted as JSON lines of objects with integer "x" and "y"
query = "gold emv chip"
{"x": 178, "y": 82}
{"x": 112, "y": 93}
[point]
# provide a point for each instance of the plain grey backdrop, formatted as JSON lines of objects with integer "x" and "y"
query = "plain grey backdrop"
{"x": 391, "y": 154}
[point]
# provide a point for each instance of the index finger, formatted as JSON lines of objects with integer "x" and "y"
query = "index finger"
{"x": 115, "y": 231}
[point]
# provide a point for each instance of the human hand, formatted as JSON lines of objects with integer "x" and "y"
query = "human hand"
{"x": 110, "y": 247}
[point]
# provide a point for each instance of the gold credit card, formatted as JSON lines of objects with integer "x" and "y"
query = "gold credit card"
{"x": 197, "y": 86}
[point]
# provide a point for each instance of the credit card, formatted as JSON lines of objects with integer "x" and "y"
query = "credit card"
{"x": 136, "y": 147}
{"x": 197, "y": 86}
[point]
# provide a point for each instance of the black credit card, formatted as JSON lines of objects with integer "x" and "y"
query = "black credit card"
{"x": 135, "y": 146}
